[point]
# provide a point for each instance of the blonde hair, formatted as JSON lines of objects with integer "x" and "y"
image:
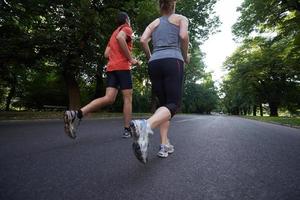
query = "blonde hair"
{"x": 167, "y": 5}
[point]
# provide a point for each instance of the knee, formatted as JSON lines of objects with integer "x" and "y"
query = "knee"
{"x": 109, "y": 100}
{"x": 127, "y": 99}
{"x": 172, "y": 107}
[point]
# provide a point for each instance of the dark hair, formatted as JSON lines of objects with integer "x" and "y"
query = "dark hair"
{"x": 121, "y": 18}
{"x": 167, "y": 5}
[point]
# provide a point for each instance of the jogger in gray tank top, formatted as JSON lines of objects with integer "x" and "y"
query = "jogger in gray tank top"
{"x": 170, "y": 39}
{"x": 166, "y": 41}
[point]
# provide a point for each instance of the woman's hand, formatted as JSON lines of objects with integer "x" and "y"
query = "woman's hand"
{"x": 187, "y": 59}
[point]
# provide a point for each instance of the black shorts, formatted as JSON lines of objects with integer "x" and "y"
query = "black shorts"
{"x": 120, "y": 79}
{"x": 166, "y": 76}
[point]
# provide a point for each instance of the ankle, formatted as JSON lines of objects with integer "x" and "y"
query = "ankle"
{"x": 79, "y": 114}
{"x": 149, "y": 127}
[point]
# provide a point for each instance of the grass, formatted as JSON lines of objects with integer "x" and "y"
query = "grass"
{"x": 288, "y": 121}
{"x": 35, "y": 115}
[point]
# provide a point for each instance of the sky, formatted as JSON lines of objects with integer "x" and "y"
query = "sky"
{"x": 221, "y": 44}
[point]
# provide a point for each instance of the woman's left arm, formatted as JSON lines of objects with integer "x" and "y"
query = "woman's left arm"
{"x": 146, "y": 37}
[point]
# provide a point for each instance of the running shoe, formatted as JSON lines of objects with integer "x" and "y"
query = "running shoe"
{"x": 170, "y": 147}
{"x": 71, "y": 123}
{"x": 165, "y": 150}
{"x": 126, "y": 133}
{"x": 140, "y": 130}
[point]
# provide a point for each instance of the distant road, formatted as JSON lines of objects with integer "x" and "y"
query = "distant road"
{"x": 215, "y": 158}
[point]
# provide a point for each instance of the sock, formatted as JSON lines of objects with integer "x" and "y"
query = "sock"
{"x": 150, "y": 131}
{"x": 79, "y": 114}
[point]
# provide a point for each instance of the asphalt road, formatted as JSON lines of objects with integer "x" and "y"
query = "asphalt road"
{"x": 215, "y": 158}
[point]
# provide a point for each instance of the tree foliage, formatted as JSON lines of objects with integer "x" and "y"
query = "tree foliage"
{"x": 266, "y": 68}
{"x": 282, "y": 16}
{"x": 200, "y": 92}
{"x": 261, "y": 72}
{"x": 53, "y": 42}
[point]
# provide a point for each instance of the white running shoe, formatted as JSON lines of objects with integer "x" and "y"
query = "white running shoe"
{"x": 71, "y": 123}
{"x": 165, "y": 150}
{"x": 140, "y": 130}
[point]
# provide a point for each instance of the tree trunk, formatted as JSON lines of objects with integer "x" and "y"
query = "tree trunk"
{"x": 254, "y": 110}
{"x": 245, "y": 111}
{"x": 9, "y": 97}
{"x": 236, "y": 111}
{"x": 73, "y": 91}
{"x": 273, "y": 109}
{"x": 11, "y": 93}
{"x": 261, "y": 110}
{"x": 292, "y": 5}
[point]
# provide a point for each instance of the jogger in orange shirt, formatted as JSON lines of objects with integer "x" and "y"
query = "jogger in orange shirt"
{"x": 118, "y": 52}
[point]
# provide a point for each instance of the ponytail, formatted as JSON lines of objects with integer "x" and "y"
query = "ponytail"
{"x": 167, "y": 5}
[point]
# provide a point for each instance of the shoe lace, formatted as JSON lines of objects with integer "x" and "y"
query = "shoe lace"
{"x": 162, "y": 148}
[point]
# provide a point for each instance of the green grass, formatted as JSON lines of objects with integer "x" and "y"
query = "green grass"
{"x": 34, "y": 115}
{"x": 288, "y": 121}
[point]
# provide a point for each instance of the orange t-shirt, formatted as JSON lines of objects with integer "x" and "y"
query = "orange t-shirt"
{"x": 116, "y": 59}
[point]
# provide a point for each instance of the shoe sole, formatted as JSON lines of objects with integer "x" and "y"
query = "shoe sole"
{"x": 167, "y": 154}
{"x": 126, "y": 136}
{"x": 135, "y": 145}
{"x": 162, "y": 156}
{"x": 170, "y": 152}
{"x": 67, "y": 127}
{"x": 137, "y": 152}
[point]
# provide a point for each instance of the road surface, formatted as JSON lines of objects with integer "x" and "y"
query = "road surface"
{"x": 215, "y": 158}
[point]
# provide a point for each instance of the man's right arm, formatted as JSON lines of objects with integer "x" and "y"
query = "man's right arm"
{"x": 121, "y": 38}
{"x": 107, "y": 50}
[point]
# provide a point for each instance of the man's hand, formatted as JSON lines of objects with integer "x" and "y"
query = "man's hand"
{"x": 133, "y": 61}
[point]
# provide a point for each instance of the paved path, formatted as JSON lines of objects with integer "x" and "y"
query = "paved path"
{"x": 215, "y": 158}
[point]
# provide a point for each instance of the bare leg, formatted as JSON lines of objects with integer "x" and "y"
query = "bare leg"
{"x": 164, "y": 129}
{"x": 127, "y": 106}
{"x": 109, "y": 98}
{"x": 161, "y": 115}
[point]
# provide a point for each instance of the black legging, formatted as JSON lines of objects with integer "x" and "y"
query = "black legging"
{"x": 166, "y": 76}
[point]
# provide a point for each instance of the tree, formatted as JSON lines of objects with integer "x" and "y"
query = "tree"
{"x": 200, "y": 93}
{"x": 267, "y": 67}
{"x": 282, "y": 16}
{"x": 259, "y": 73}
{"x": 68, "y": 38}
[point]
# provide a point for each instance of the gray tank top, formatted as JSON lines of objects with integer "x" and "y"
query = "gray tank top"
{"x": 166, "y": 41}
